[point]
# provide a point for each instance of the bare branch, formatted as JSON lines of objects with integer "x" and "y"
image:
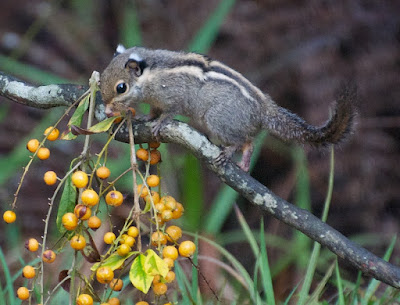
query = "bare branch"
{"x": 229, "y": 173}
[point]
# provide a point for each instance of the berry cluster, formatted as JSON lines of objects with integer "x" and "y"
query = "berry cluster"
{"x": 150, "y": 266}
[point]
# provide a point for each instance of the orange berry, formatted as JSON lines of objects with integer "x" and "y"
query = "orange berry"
{"x": 155, "y": 196}
{"x": 9, "y": 216}
{"x": 133, "y": 231}
{"x": 160, "y": 207}
{"x": 157, "y": 279}
{"x": 82, "y": 211}
{"x": 155, "y": 156}
{"x": 23, "y": 293}
{"x": 123, "y": 250}
{"x": 104, "y": 275}
{"x": 142, "y": 154}
{"x": 187, "y": 248}
{"x": 51, "y": 135}
{"x": 170, "y": 262}
{"x": 109, "y": 238}
{"x": 103, "y": 172}
{"x": 142, "y": 303}
{"x": 50, "y": 177}
{"x": 129, "y": 240}
{"x": 142, "y": 190}
{"x": 114, "y": 301}
{"x": 170, "y": 277}
{"x": 154, "y": 144}
{"x": 94, "y": 222}
{"x": 160, "y": 288}
{"x": 178, "y": 212}
{"x": 69, "y": 221}
{"x": 80, "y": 179}
{"x": 173, "y": 233}
{"x": 28, "y": 272}
{"x": 114, "y": 198}
{"x": 116, "y": 284}
{"x": 43, "y": 153}
{"x": 32, "y": 244}
{"x": 90, "y": 197}
{"x": 158, "y": 238}
{"x": 78, "y": 242}
{"x": 153, "y": 180}
{"x": 84, "y": 299}
{"x": 171, "y": 252}
{"x": 166, "y": 215}
{"x": 49, "y": 256}
{"x": 32, "y": 145}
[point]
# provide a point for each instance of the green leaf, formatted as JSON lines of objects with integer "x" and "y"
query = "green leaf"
{"x": 114, "y": 261}
{"x": 103, "y": 125}
{"x": 77, "y": 117}
{"x": 138, "y": 276}
{"x": 67, "y": 202}
{"x": 155, "y": 265}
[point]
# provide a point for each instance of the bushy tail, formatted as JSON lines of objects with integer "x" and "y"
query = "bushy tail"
{"x": 288, "y": 126}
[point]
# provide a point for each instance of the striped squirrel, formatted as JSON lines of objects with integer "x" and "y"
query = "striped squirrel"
{"x": 212, "y": 95}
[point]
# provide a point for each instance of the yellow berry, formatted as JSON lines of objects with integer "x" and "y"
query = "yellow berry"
{"x": 169, "y": 202}
{"x": 49, "y": 256}
{"x": 171, "y": 252}
{"x": 158, "y": 238}
{"x": 109, "y": 238}
{"x": 133, "y": 231}
{"x": 160, "y": 288}
{"x": 90, "y": 197}
{"x": 104, "y": 275}
{"x": 160, "y": 207}
{"x": 43, "y": 153}
{"x": 82, "y": 211}
{"x": 166, "y": 215}
{"x": 187, "y": 248}
{"x": 153, "y": 180}
{"x": 69, "y": 221}
{"x": 114, "y": 198}
{"x": 28, "y": 272}
{"x": 178, "y": 212}
{"x": 143, "y": 191}
{"x": 116, "y": 284}
{"x": 123, "y": 249}
{"x": 129, "y": 240}
{"x": 114, "y": 301}
{"x": 157, "y": 279}
{"x": 23, "y": 293}
{"x": 32, "y": 145}
{"x": 103, "y": 172}
{"x": 142, "y": 154}
{"x": 51, "y": 135}
{"x": 32, "y": 244}
{"x": 78, "y": 242}
{"x": 155, "y": 156}
{"x": 9, "y": 216}
{"x": 50, "y": 178}
{"x": 173, "y": 233}
{"x": 155, "y": 196}
{"x": 170, "y": 262}
{"x": 94, "y": 222}
{"x": 80, "y": 179}
{"x": 170, "y": 277}
{"x": 84, "y": 299}
{"x": 142, "y": 303}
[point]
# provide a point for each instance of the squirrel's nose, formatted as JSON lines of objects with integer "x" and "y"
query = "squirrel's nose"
{"x": 109, "y": 112}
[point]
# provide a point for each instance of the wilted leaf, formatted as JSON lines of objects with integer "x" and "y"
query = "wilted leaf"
{"x": 67, "y": 283}
{"x": 77, "y": 117}
{"x": 138, "y": 276}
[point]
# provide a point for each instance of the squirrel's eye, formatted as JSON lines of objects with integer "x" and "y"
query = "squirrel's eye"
{"x": 121, "y": 88}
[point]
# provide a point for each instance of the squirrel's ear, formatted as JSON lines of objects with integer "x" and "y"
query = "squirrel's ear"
{"x": 135, "y": 64}
{"x": 120, "y": 49}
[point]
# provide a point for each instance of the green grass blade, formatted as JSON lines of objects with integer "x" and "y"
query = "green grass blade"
{"x": 264, "y": 268}
{"x": 247, "y": 231}
{"x": 208, "y": 33}
{"x": 321, "y": 285}
{"x": 130, "y": 27}
{"x": 182, "y": 284}
{"x": 195, "y": 274}
{"x": 339, "y": 284}
{"x": 7, "y": 275}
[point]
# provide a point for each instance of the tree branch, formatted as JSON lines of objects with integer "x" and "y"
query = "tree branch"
{"x": 229, "y": 173}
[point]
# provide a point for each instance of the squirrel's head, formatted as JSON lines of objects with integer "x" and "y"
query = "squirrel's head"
{"x": 120, "y": 83}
